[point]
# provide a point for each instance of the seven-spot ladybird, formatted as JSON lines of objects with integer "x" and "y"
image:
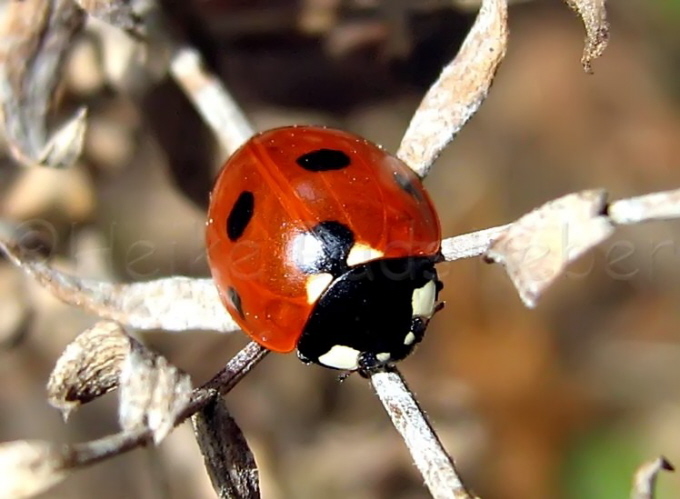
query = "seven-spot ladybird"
{"x": 320, "y": 240}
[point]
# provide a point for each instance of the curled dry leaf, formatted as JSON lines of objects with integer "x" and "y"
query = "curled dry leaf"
{"x": 172, "y": 304}
{"x": 459, "y": 91}
{"x": 89, "y": 367}
{"x": 538, "y": 247}
{"x": 645, "y": 477}
{"x": 153, "y": 392}
{"x": 36, "y": 36}
{"x": 118, "y": 13}
{"x": 432, "y": 460}
{"x": 229, "y": 461}
{"x": 30, "y": 467}
{"x": 594, "y": 16}
{"x": 656, "y": 206}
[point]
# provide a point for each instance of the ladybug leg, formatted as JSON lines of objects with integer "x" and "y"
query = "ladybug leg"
{"x": 302, "y": 358}
{"x": 342, "y": 377}
{"x": 369, "y": 363}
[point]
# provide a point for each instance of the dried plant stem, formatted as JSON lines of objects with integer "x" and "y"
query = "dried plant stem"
{"x": 461, "y": 88}
{"x": 644, "y": 481}
{"x": 471, "y": 244}
{"x": 432, "y": 460}
{"x": 87, "y": 453}
{"x": 211, "y": 98}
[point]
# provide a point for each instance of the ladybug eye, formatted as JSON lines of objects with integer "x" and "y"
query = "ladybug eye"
{"x": 323, "y": 160}
{"x": 240, "y": 215}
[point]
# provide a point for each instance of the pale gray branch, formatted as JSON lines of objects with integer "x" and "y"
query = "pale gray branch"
{"x": 430, "y": 457}
{"x": 211, "y": 99}
{"x": 471, "y": 244}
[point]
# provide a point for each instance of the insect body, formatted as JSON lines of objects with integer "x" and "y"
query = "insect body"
{"x": 319, "y": 240}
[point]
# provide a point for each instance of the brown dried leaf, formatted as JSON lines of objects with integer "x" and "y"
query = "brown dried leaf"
{"x": 36, "y": 36}
{"x": 153, "y": 392}
{"x": 29, "y": 467}
{"x": 656, "y": 206}
{"x": 462, "y": 87}
{"x": 645, "y": 477}
{"x": 229, "y": 461}
{"x": 538, "y": 247}
{"x": 172, "y": 304}
{"x": 89, "y": 367}
{"x": 594, "y": 16}
{"x": 118, "y": 13}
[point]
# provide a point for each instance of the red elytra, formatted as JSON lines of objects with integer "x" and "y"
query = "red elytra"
{"x": 275, "y": 189}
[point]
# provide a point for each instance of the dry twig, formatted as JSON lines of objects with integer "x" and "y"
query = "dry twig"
{"x": 432, "y": 460}
{"x": 462, "y": 87}
{"x": 645, "y": 478}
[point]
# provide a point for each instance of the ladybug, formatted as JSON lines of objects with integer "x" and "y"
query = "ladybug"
{"x": 319, "y": 240}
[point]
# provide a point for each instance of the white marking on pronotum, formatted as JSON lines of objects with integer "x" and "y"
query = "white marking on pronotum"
{"x": 409, "y": 338}
{"x": 383, "y": 357}
{"x": 341, "y": 357}
{"x": 317, "y": 284}
{"x": 422, "y": 300}
{"x": 362, "y": 253}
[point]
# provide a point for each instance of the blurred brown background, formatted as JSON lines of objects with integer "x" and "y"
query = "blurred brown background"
{"x": 562, "y": 401}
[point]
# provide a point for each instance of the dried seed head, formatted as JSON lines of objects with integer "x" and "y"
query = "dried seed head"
{"x": 153, "y": 392}
{"x": 539, "y": 246}
{"x": 89, "y": 367}
{"x": 228, "y": 458}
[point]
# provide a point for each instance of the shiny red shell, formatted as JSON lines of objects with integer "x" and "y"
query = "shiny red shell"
{"x": 376, "y": 195}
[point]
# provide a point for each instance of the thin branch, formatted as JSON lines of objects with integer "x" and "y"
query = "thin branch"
{"x": 655, "y": 206}
{"x": 540, "y": 245}
{"x": 427, "y": 451}
{"x": 471, "y": 244}
{"x": 211, "y": 98}
{"x": 95, "y": 451}
{"x": 173, "y": 304}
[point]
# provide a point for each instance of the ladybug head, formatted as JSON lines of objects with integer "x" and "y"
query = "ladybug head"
{"x": 372, "y": 315}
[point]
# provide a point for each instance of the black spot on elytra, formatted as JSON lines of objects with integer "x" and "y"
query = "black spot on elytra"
{"x": 336, "y": 242}
{"x": 323, "y": 160}
{"x": 235, "y": 300}
{"x": 408, "y": 186}
{"x": 240, "y": 215}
